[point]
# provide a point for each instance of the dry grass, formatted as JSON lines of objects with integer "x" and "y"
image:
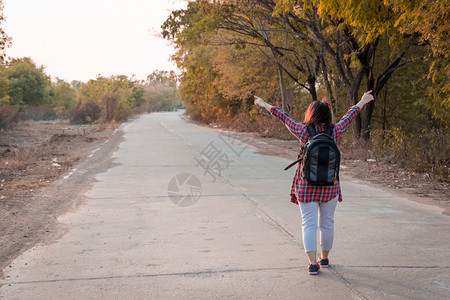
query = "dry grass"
{"x": 29, "y": 167}
{"x": 36, "y": 153}
{"x": 9, "y": 116}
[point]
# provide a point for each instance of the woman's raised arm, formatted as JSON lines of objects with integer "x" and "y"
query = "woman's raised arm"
{"x": 262, "y": 103}
{"x": 297, "y": 129}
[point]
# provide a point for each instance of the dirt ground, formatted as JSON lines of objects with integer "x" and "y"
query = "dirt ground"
{"x": 36, "y": 154}
{"x": 32, "y": 157}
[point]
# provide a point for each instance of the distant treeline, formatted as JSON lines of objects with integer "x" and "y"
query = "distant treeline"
{"x": 294, "y": 52}
{"x": 26, "y": 92}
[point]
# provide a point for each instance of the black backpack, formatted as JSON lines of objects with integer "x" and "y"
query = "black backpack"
{"x": 321, "y": 158}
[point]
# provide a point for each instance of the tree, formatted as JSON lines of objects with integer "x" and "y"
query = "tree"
{"x": 160, "y": 77}
{"x": 198, "y": 94}
{"x": 4, "y": 86}
{"x": 5, "y": 40}
{"x": 205, "y": 32}
{"x": 350, "y": 33}
{"x": 76, "y": 84}
{"x": 160, "y": 91}
{"x": 304, "y": 43}
{"x": 404, "y": 24}
{"x": 115, "y": 95}
{"x": 255, "y": 23}
{"x": 28, "y": 84}
{"x": 431, "y": 20}
{"x": 316, "y": 45}
{"x": 64, "y": 98}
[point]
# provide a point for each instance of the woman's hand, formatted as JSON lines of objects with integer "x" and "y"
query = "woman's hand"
{"x": 262, "y": 103}
{"x": 366, "y": 98}
{"x": 259, "y": 101}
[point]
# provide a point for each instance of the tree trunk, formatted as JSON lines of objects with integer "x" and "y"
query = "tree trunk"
{"x": 328, "y": 86}
{"x": 376, "y": 85}
{"x": 283, "y": 98}
{"x": 368, "y": 109}
{"x": 353, "y": 95}
{"x": 357, "y": 121}
{"x": 366, "y": 119}
{"x": 384, "y": 108}
{"x": 312, "y": 87}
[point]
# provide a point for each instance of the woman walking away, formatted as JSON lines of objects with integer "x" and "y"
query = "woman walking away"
{"x": 317, "y": 202}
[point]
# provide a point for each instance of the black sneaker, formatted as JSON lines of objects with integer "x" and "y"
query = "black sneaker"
{"x": 323, "y": 262}
{"x": 313, "y": 269}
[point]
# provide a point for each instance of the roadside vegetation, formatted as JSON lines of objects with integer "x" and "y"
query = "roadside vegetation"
{"x": 294, "y": 52}
{"x": 28, "y": 93}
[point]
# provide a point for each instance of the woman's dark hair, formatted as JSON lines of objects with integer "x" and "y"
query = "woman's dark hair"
{"x": 318, "y": 112}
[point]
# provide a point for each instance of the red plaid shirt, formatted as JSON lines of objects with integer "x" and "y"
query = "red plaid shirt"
{"x": 301, "y": 190}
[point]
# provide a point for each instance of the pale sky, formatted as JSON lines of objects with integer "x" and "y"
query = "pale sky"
{"x": 79, "y": 39}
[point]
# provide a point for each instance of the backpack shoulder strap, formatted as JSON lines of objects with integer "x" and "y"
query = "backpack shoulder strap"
{"x": 312, "y": 131}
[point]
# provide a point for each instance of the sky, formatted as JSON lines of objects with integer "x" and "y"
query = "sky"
{"x": 78, "y": 40}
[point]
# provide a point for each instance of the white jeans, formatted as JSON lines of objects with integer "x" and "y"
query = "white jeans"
{"x": 324, "y": 213}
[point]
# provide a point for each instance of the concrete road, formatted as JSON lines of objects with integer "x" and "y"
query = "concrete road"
{"x": 188, "y": 212}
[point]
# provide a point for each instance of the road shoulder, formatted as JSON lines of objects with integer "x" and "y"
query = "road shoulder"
{"x": 23, "y": 226}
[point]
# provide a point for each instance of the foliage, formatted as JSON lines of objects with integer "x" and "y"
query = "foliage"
{"x": 116, "y": 96}
{"x": 4, "y": 86}
{"x": 162, "y": 78}
{"x": 28, "y": 88}
{"x": 5, "y": 40}
{"x": 221, "y": 69}
{"x": 28, "y": 84}
{"x": 429, "y": 18}
{"x": 160, "y": 91}
{"x": 423, "y": 151}
{"x": 86, "y": 112}
{"x": 431, "y": 21}
{"x": 64, "y": 98}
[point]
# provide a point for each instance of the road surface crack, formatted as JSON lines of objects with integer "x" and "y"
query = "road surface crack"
{"x": 183, "y": 274}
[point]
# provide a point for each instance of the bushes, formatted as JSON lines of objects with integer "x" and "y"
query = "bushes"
{"x": 38, "y": 113}
{"x": 88, "y": 112}
{"x": 110, "y": 103}
{"x": 9, "y": 116}
{"x": 121, "y": 112}
{"x": 91, "y": 112}
{"x": 114, "y": 109}
{"x": 424, "y": 151}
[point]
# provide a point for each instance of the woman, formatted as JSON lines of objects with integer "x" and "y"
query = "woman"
{"x": 317, "y": 203}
